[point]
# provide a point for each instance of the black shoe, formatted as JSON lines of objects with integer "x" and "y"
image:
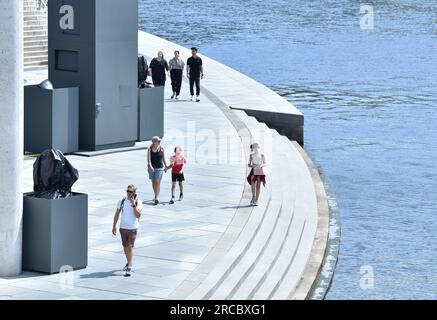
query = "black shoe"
{"x": 181, "y": 197}
{"x": 128, "y": 272}
{"x": 172, "y": 201}
{"x": 156, "y": 202}
{"x": 125, "y": 267}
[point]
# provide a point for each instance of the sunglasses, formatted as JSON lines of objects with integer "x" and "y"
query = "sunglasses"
{"x": 128, "y": 191}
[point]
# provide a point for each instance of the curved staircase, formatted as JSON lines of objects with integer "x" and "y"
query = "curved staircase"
{"x": 269, "y": 257}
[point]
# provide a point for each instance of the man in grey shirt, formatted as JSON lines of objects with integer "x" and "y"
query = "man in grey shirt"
{"x": 176, "y": 66}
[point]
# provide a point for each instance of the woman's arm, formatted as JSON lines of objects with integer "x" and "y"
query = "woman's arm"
{"x": 167, "y": 67}
{"x": 164, "y": 158}
{"x": 264, "y": 161}
{"x": 250, "y": 162}
{"x": 149, "y": 159}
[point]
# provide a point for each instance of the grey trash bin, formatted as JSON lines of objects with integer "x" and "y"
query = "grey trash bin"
{"x": 51, "y": 119}
{"x": 55, "y": 233}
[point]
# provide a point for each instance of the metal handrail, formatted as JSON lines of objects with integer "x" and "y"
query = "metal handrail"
{"x": 42, "y": 5}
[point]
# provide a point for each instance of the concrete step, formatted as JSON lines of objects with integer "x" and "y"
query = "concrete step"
{"x": 35, "y": 38}
{"x": 230, "y": 284}
{"x": 42, "y": 53}
{"x": 284, "y": 276}
{"x": 35, "y": 25}
{"x": 32, "y": 17}
{"x": 217, "y": 278}
{"x": 35, "y": 59}
{"x": 35, "y": 64}
{"x": 307, "y": 207}
{"x": 36, "y": 33}
{"x": 273, "y": 249}
{"x": 262, "y": 238}
{"x": 218, "y": 275}
{"x": 277, "y": 270}
{"x": 36, "y": 48}
{"x": 33, "y": 43}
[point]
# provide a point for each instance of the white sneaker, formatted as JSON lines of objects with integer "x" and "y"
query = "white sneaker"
{"x": 252, "y": 202}
{"x": 197, "y": 99}
{"x": 192, "y": 98}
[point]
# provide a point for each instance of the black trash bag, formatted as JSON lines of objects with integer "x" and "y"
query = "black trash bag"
{"x": 53, "y": 175}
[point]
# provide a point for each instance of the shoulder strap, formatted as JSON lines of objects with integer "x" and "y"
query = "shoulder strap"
{"x": 122, "y": 204}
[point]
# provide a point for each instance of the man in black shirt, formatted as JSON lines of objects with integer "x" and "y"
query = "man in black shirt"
{"x": 194, "y": 73}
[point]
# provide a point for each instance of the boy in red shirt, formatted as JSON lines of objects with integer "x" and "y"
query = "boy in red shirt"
{"x": 177, "y": 163}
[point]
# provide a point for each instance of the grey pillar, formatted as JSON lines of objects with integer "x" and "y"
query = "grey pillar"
{"x": 11, "y": 136}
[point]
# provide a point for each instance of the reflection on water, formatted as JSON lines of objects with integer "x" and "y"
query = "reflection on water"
{"x": 369, "y": 99}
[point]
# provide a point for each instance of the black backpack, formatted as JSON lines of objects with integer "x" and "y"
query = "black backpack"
{"x": 143, "y": 71}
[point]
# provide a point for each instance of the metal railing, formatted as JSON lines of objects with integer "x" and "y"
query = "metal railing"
{"x": 42, "y": 5}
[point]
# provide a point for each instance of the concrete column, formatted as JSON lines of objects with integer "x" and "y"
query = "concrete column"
{"x": 11, "y": 135}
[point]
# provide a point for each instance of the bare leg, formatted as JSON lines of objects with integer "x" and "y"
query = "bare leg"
{"x": 253, "y": 186}
{"x": 158, "y": 189}
{"x": 173, "y": 190}
{"x": 154, "y": 188}
{"x": 181, "y": 186}
{"x": 129, "y": 252}
{"x": 258, "y": 188}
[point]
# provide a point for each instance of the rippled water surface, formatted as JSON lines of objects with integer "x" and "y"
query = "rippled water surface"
{"x": 369, "y": 99}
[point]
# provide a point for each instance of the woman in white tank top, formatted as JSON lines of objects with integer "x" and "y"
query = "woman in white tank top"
{"x": 257, "y": 176}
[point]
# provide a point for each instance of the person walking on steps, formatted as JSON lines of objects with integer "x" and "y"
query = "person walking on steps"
{"x": 157, "y": 163}
{"x": 176, "y": 66}
{"x": 159, "y": 67}
{"x": 129, "y": 208}
{"x": 194, "y": 73}
{"x": 257, "y": 163}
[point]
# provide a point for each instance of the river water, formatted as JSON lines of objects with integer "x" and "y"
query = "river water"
{"x": 369, "y": 99}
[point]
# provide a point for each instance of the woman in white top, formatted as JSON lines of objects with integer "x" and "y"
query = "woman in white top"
{"x": 176, "y": 66}
{"x": 257, "y": 162}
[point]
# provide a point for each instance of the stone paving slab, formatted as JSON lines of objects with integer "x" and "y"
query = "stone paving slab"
{"x": 173, "y": 239}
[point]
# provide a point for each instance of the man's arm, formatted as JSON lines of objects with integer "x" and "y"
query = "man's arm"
{"x": 137, "y": 209}
{"x": 114, "y": 225}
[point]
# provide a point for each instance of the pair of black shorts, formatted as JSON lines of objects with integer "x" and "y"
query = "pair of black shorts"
{"x": 177, "y": 177}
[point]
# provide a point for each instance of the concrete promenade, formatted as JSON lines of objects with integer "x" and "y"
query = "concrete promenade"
{"x": 210, "y": 245}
